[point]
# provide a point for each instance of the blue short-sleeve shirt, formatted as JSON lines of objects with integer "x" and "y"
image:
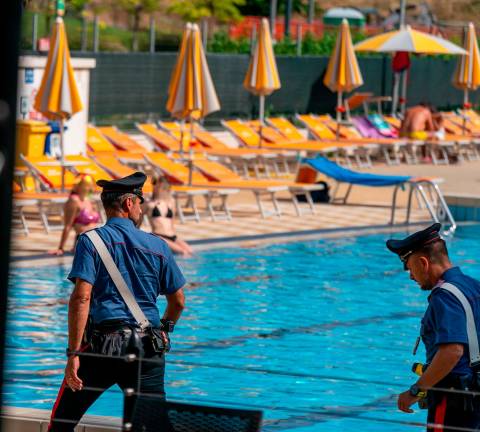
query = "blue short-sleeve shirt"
{"x": 145, "y": 262}
{"x": 444, "y": 321}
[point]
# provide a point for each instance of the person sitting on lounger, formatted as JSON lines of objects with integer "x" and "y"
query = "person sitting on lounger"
{"x": 418, "y": 123}
{"x": 160, "y": 212}
{"x": 79, "y": 213}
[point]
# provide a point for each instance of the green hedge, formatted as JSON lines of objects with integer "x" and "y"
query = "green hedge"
{"x": 222, "y": 43}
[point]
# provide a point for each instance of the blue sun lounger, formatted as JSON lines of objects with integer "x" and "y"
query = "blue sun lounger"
{"x": 428, "y": 192}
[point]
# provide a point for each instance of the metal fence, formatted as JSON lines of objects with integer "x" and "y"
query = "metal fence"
{"x": 136, "y": 84}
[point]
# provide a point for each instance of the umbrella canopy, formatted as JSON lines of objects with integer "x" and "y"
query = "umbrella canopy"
{"x": 191, "y": 90}
{"x": 58, "y": 97}
{"x": 262, "y": 74}
{"x": 343, "y": 73}
{"x": 336, "y": 15}
{"x": 409, "y": 40}
{"x": 467, "y": 73}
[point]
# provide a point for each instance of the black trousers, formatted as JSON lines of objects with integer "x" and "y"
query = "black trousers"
{"x": 99, "y": 374}
{"x": 454, "y": 410}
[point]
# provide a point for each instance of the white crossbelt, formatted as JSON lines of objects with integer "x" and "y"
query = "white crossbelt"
{"x": 471, "y": 328}
{"x": 118, "y": 280}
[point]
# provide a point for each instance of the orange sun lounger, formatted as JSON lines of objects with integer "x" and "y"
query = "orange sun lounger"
{"x": 121, "y": 140}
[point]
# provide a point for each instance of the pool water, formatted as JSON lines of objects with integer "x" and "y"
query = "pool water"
{"x": 317, "y": 334}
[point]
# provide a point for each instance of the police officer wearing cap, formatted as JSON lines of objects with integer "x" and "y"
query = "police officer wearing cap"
{"x": 96, "y": 358}
{"x": 443, "y": 332}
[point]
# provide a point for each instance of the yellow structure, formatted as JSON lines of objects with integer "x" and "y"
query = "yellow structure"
{"x": 31, "y": 136}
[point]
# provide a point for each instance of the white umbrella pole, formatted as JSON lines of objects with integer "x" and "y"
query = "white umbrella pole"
{"x": 262, "y": 117}
{"x": 404, "y": 90}
{"x": 465, "y": 104}
{"x": 339, "y": 114}
{"x": 396, "y": 85}
{"x": 190, "y": 153}
{"x": 62, "y": 154}
{"x": 182, "y": 131}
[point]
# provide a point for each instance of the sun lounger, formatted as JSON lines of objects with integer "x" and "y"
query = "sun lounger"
{"x": 249, "y": 157}
{"x": 392, "y": 149}
{"x": 48, "y": 173}
{"x": 220, "y": 173}
{"x": 165, "y": 141}
{"x": 85, "y": 165}
{"x": 46, "y": 204}
{"x": 361, "y": 152}
{"x": 178, "y": 173}
{"x": 121, "y": 140}
{"x": 184, "y": 195}
{"x": 427, "y": 189}
{"x": 97, "y": 142}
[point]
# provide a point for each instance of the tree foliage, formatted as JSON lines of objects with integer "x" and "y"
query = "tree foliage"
{"x": 194, "y": 10}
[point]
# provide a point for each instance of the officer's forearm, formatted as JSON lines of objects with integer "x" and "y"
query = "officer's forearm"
{"x": 175, "y": 305}
{"x": 442, "y": 364}
{"x": 78, "y": 309}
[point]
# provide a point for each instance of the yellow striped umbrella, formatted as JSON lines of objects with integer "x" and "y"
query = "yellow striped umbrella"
{"x": 262, "y": 75}
{"x": 467, "y": 73}
{"x": 58, "y": 97}
{"x": 191, "y": 90}
{"x": 343, "y": 73}
{"x": 409, "y": 40}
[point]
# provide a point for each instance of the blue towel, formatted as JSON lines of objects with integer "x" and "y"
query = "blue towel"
{"x": 331, "y": 169}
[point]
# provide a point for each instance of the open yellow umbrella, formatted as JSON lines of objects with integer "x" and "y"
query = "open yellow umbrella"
{"x": 58, "y": 97}
{"x": 343, "y": 73}
{"x": 262, "y": 75}
{"x": 407, "y": 40}
{"x": 191, "y": 91}
{"x": 467, "y": 72}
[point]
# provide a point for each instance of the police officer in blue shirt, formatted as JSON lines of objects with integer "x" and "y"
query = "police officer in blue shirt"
{"x": 443, "y": 332}
{"x": 96, "y": 358}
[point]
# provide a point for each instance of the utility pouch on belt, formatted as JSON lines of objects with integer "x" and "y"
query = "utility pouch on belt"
{"x": 151, "y": 337}
{"x": 473, "y": 343}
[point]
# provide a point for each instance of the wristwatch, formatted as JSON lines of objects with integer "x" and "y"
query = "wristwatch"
{"x": 416, "y": 391}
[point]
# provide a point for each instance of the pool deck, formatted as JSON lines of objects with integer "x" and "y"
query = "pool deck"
{"x": 368, "y": 208}
{"x": 15, "y": 419}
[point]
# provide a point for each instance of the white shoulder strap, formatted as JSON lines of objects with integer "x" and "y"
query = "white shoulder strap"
{"x": 118, "y": 279}
{"x": 471, "y": 328}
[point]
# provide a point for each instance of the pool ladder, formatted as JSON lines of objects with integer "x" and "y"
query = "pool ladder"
{"x": 429, "y": 196}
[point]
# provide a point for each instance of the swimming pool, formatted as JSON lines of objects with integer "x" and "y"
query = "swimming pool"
{"x": 318, "y": 334}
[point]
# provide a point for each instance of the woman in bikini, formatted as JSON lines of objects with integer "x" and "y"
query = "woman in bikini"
{"x": 161, "y": 214}
{"x": 79, "y": 212}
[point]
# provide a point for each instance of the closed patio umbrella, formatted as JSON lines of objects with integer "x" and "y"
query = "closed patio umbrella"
{"x": 467, "y": 72}
{"x": 58, "y": 97}
{"x": 343, "y": 73}
{"x": 262, "y": 75}
{"x": 191, "y": 91}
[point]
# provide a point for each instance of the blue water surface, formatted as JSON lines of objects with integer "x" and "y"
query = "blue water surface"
{"x": 317, "y": 334}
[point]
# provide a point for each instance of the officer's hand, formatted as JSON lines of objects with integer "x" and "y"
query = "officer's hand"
{"x": 71, "y": 377}
{"x": 405, "y": 401}
{"x": 57, "y": 252}
{"x": 166, "y": 340}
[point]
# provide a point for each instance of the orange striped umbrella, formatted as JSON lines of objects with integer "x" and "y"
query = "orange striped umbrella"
{"x": 262, "y": 75}
{"x": 58, "y": 97}
{"x": 467, "y": 73}
{"x": 343, "y": 73}
{"x": 191, "y": 89}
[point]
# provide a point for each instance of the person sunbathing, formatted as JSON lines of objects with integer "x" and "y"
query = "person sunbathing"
{"x": 79, "y": 214}
{"x": 418, "y": 123}
{"x": 161, "y": 213}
